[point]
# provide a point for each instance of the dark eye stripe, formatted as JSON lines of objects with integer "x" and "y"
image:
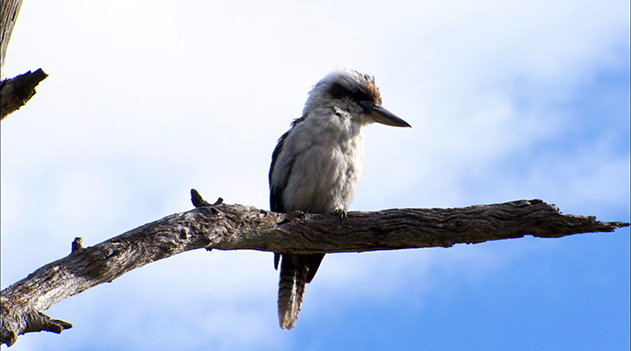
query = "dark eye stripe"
{"x": 337, "y": 92}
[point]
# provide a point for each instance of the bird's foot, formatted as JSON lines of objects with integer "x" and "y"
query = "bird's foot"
{"x": 299, "y": 214}
{"x": 340, "y": 212}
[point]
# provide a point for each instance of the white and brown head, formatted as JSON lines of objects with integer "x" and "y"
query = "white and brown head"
{"x": 355, "y": 93}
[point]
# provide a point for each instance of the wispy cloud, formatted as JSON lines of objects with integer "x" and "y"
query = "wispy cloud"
{"x": 146, "y": 100}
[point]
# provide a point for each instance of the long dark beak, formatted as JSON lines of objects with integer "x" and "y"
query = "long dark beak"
{"x": 383, "y": 116}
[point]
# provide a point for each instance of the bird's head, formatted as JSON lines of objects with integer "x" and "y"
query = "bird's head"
{"x": 355, "y": 93}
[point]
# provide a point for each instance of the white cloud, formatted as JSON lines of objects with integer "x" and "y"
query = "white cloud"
{"x": 147, "y": 100}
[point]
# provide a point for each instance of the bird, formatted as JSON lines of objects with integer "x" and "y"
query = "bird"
{"x": 316, "y": 166}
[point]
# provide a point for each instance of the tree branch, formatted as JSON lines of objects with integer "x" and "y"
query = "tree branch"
{"x": 238, "y": 227}
{"x": 16, "y": 92}
{"x": 9, "y": 11}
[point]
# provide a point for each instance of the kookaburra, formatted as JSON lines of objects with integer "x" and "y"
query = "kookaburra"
{"x": 317, "y": 164}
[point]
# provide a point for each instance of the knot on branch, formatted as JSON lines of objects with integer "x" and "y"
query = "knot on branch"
{"x": 77, "y": 244}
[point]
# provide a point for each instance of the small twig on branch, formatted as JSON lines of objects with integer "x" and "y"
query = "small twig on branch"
{"x": 77, "y": 244}
{"x": 237, "y": 227}
{"x": 16, "y": 92}
{"x": 198, "y": 200}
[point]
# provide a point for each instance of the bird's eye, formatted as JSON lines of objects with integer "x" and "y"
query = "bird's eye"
{"x": 359, "y": 96}
{"x": 337, "y": 91}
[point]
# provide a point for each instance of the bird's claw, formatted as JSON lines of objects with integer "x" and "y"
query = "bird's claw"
{"x": 340, "y": 212}
{"x": 299, "y": 214}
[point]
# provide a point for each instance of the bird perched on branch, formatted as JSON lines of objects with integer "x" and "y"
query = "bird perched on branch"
{"x": 317, "y": 164}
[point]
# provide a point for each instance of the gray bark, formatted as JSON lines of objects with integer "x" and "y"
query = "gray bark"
{"x": 8, "y": 16}
{"x": 14, "y": 92}
{"x": 237, "y": 227}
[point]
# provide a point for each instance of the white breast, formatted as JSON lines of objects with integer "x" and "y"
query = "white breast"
{"x": 326, "y": 155}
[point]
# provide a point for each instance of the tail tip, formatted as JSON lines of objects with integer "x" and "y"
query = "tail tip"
{"x": 287, "y": 320}
{"x": 287, "y": 324}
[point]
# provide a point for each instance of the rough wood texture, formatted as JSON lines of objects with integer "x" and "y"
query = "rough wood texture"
{"x": 16, "y": 92}
{"x": 237, "y": 227}
{"x": 8, "y": 16}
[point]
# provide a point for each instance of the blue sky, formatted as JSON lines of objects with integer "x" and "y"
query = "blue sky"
{"x": 145, "y": 100}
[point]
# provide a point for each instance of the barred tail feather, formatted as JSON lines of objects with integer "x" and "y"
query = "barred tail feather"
{"x": 293, "y": 277}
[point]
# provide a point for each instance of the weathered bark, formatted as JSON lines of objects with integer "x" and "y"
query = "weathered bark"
{"x": 237, "y": 227}
{"x": 8, "y": 16}
{"x": 14, "y": 92}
